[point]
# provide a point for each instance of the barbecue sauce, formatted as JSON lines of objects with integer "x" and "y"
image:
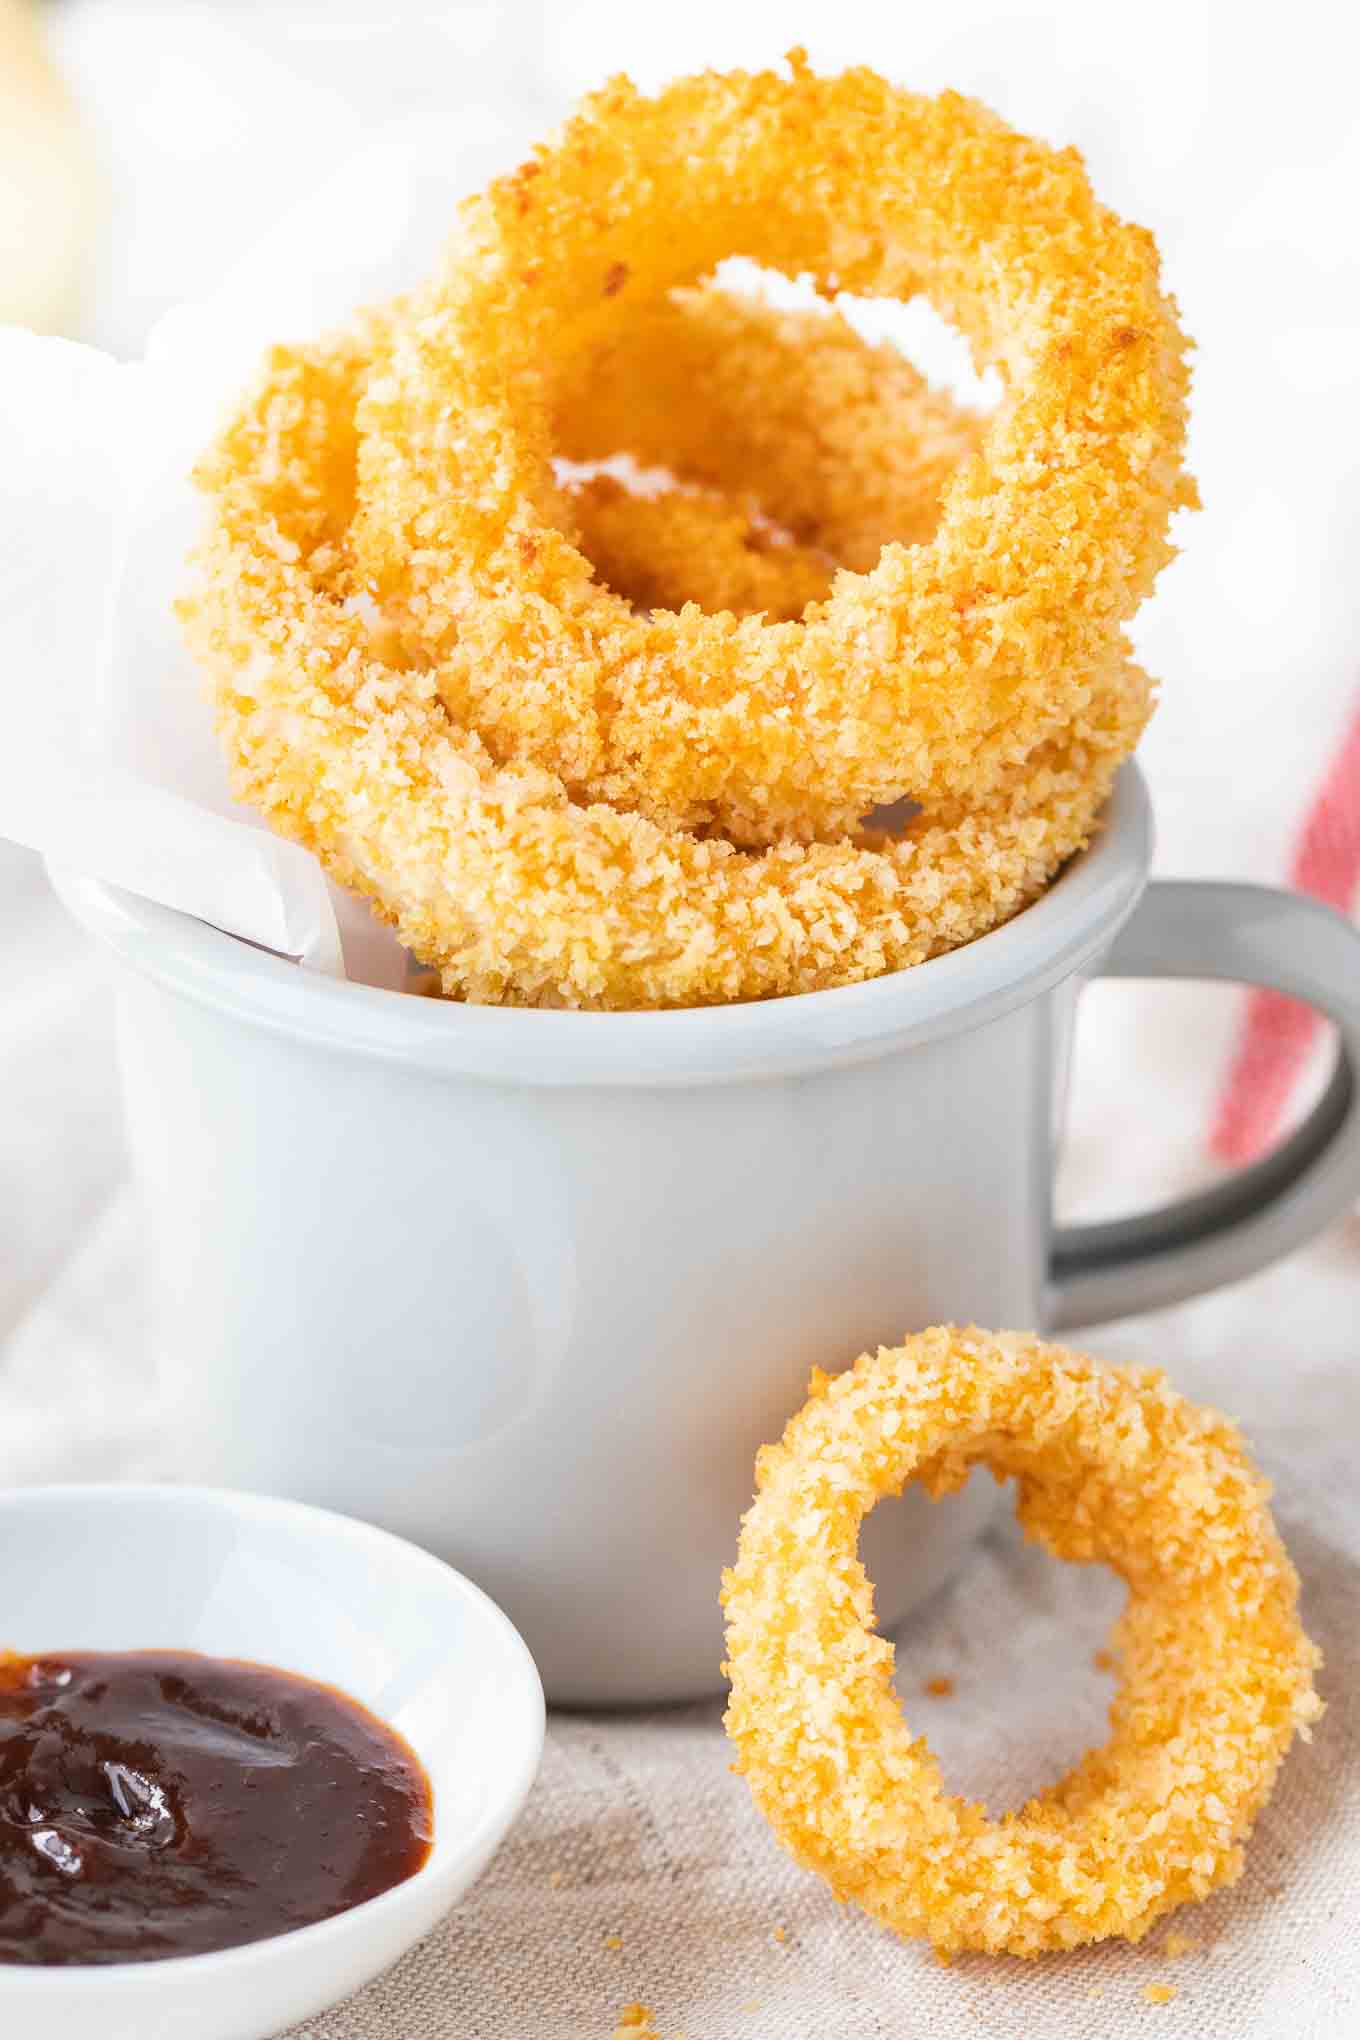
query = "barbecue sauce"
{"x": 157, "y": 1803}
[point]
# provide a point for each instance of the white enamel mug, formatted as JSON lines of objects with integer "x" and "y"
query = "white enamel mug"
{"x": 532, "y": 1287}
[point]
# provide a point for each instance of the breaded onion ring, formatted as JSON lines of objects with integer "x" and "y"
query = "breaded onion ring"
{"x": 1216, "y": 1673}
{"x": 846, "y": 437}
{"x": 937, "y": 673}
{"x": 492, "y": 873}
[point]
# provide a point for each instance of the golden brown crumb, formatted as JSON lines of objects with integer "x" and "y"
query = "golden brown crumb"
{"x": 1180, "y": 1944}
{"x": 781, "y": 1934}
{"x": 1111, "y": 1465}
{"x": 634, "y": 2022}
{"x": 555, "y": 1880}
{"x": 665, "y": 550}
{"x": 1159, "y": 1993}
{"x": 1104, "y": 1661}
{"x": 613, "y": 1940}
{"x": 939, "y": 1688}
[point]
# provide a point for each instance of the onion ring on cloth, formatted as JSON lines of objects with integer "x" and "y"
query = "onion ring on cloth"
{"x": 935, "y": 674}
{"x": 492, "y": 873}
{"x": 1216, "y": 1673}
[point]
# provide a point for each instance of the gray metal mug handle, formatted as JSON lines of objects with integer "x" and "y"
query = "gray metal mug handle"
{"x": 1254, "y": 935}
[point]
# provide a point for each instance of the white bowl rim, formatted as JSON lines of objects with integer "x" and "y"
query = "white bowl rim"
{"x": 1061, "y": 931}
{"x": 93, "y": 1978}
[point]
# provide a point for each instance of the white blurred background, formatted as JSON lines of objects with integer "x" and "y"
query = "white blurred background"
{"x": 1231, "y": 131}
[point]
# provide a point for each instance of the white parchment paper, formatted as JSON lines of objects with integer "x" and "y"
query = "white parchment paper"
{"x": 109, "y": 764}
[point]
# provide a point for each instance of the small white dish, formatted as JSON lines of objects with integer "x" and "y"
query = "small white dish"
{"x": 240, "y": 1575}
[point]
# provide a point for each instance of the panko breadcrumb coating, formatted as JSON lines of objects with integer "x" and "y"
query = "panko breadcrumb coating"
{"x": 847, "y": 446}
{"x": 492, "y": 873}
{"x": 847, "y": 437}
{"x": 1111, "y": 1466}
{"x": 679, "y": 545}
{"x": 936, "y": 673}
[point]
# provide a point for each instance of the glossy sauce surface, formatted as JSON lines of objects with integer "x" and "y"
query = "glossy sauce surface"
{"x": 157, "y": 1803}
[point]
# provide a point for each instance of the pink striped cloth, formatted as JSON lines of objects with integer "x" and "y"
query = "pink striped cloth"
{"x": 1277, "y": 1033}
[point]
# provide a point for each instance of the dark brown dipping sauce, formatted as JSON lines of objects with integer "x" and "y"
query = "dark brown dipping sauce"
{"x": 157, "y": 1803}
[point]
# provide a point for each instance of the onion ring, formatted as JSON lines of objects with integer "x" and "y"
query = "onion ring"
{"x": 846, "y": 437}
{"x": 937, "y": 673}
{"x": 492, "y": 873}
{"x": 845, "y": 440}
{"x": 1216, "y": 1673}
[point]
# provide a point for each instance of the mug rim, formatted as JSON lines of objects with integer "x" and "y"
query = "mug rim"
{"x": 1066, "y": 928}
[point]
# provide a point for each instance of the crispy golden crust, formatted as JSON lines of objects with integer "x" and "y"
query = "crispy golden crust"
{"x": 788, "y": 419}
{"x": 847, "y": 439}
{"x": 492, "y": 873}
{"x": 935, "y": 674}
{"x": 661, "y": 551}
{"x": 1216, "y": 1677}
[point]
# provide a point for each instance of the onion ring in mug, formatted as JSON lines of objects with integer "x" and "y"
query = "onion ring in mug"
{"x": 660, "y": 551}
{"x": 760, "y": 408}
{"x": 1216, "y": 1673}
{"x": 726, "y": 392}
{"x": 934, "y": 675}
{"x": 492, "y": 873}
